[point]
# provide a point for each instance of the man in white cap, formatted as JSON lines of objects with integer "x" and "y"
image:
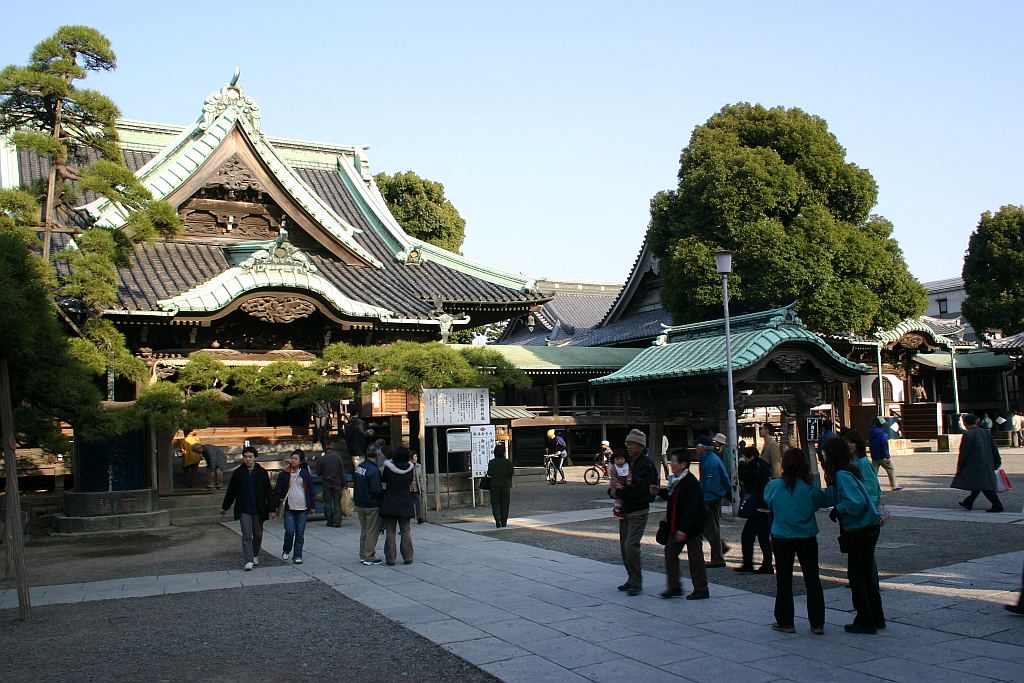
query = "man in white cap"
{"x": 636, "y": 502}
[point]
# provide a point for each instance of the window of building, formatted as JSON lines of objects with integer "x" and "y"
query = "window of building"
{"x": 943, "y": 306}
{"x": 886, "y": 389}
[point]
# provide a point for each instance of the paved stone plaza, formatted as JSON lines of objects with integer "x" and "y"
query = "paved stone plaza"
{"x": 524, "y": 612}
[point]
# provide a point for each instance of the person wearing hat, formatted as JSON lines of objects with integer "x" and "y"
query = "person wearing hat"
{"x": 605, "y": 455}
{"x": 716, "y": 485}
{"x": 636, "y": 503}
{"x": 878, "y": 439}
{"x": 685, "y": 518}
{"x": 554, "y": 446}
{"x": 720, "y": 442}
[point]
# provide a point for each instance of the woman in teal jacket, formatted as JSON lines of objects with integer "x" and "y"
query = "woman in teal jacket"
{"x": 858, "y": 520}
{"x": 793, "y": 500}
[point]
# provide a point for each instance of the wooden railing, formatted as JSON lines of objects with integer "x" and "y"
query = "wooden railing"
{"x": 624, "y": 412}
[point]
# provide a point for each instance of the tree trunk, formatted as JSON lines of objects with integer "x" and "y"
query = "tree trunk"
{"x": 14, "y": 533}
{"x": 51, "y": 184}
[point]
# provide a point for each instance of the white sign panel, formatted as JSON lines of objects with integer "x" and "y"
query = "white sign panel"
{"x": 458, "y": 441}
{"x": 483, "y": 448}
{"x": 456, "y": 407}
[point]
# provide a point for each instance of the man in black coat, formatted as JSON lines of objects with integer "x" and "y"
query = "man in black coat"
{"x": 685, "y": 518}
{"x": 250, "y": 493}
{"x": 636, "y": 504}
{"x": 332, "y": 472}
{"x": 355, "y": 437}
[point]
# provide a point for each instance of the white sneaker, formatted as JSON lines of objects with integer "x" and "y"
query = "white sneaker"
{"x": 298, "y": 560}
{"x": 248, "y": 566}
{"x": 256, "y": 561}
{"x": 285, "y": 556}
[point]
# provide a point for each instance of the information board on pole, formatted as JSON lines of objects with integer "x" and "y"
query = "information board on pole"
{"x": 813, "y": 428}
{"x": 458, "y": 440}
{"x": 452, "y": 407}
{"x": 484, "y": 440}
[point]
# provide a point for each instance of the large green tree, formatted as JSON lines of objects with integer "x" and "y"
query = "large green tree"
{"x": 994, "y": 272}
{"x": 773, "y": 185}
{"x": 420, "y": 207}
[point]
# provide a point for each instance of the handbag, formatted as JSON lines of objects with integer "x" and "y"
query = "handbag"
{"x": 1002, "y": 481}
{"x": 485, "y": 483}
{"x": 748, "y": 506}
{"x": 662, "y": 536}
{"x": 347, "y": 506}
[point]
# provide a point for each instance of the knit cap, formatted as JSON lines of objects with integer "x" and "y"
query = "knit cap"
{"x": 636, "y": 436}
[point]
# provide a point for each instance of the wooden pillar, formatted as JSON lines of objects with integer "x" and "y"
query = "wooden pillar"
{"x": 657, "y": 430}
{"x": 554, "y": 395}
{"x": 164, "y": 462}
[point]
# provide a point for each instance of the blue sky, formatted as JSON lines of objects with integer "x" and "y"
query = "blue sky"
{"x": 552, "y": 124}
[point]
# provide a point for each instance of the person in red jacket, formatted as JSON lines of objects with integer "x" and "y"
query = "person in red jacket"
{"x": 685, "y": 517}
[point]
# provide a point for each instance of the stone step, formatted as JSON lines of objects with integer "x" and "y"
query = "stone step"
{"x": 136, "y": 520}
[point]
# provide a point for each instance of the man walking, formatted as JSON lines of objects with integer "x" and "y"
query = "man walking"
{"x": 250, "y": 493}
{"x": 716, "y": 486}
{"x": 1017, "y": 423}
{"x": 878, "y": 439}
{"x": 976, "y": 465}
{"x": 685, "y": 517}
{"x": 367, "y": 496}
{"x": 636, "y": 503}
{"x": 332, "y": 473}
{"x": 355, "y": 436}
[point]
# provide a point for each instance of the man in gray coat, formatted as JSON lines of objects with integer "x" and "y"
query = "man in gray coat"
{"x": 975, "y": 468}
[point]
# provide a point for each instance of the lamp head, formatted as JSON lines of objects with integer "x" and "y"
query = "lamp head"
{"x": 723, "y": 262}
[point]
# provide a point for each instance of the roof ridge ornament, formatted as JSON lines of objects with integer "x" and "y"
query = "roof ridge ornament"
{"x": 231, "y": 95}
{"x": 281, "y": 255}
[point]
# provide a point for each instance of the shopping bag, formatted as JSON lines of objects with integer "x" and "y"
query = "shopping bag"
{"x": 1002, "y": 481}
{"x": 347, "y": 508}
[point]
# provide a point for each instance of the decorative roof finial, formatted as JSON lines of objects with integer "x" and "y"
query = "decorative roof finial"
{"x": 230, "y": 95}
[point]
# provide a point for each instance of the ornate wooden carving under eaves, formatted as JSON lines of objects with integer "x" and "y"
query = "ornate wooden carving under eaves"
{"x": 278, "y": 309}
{"x": 234, "y": 175}
{"x": 789, "y": 362}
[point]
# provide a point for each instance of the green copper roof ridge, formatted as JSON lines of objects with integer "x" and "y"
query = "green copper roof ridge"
{"x": 372, "y": 204}
{"x": 787, "y": 314}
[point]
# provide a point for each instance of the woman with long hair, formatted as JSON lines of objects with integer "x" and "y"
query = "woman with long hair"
{"x": 858, "y": 519}
{"x": 794, "y": 498}
{"x": 754, "y": 475}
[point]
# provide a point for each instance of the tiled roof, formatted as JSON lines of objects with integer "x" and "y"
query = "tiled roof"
{"x": 1011, "y": 343}
{"x": 699, "y": 349}
{"x": 942, "y": 332}
{"x": 975, "y": 360}
{"x": 542, "y": 359}
{"x": 646, "y": 325}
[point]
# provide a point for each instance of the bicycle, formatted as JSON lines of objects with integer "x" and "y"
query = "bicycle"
{"x": 550, "y": 475}
{"x": 596, "y": 473}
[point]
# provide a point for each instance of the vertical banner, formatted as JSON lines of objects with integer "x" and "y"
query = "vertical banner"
{"x": 484, "y": 440}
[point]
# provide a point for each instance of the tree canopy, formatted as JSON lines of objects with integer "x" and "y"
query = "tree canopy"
{"x": 420, "y": 207}
{"x": 994, "y": 272}
{"x": 773, "y": 185}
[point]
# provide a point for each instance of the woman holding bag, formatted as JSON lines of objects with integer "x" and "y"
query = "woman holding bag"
{"x": 500, "y": 471}
{"x": 858, "y": 521}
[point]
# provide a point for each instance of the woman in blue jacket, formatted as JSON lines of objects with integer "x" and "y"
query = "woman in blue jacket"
{"x": 793, "y": 500}
{"x": 858, "y": 519}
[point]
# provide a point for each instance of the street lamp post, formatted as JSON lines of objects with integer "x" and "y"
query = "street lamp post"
{"x": 723, "y": 261}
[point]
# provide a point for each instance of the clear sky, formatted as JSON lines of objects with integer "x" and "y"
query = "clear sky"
{"x": 552, "y": 124}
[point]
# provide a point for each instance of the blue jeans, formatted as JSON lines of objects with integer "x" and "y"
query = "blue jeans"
{"x": 295, "y": 530}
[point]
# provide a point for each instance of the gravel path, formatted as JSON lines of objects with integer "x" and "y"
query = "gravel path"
{"x": 300, "y": 631}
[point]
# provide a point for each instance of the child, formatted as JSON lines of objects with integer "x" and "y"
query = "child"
{"x": 619, "y": 475}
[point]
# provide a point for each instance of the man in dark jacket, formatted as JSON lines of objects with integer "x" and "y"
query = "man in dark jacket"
{"x": 367, "y": 493}
{"x": 976, "y": 465}
{"x": 332, "y": 473}
{"x": 636, "y": 503}
{"x": 685, "y": 518}
{"x": 500, "y": 470}
{"x": 355, "y": 436}
{"x": 754, "y": 475}
{"x": 250, "y": 493}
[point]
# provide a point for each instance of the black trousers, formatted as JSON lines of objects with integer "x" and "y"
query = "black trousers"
{"x": 991, "y": 495}
{"x": 861, "y": 572}
{"x": 757, "y": 527}
{"x": 806, "y": 549}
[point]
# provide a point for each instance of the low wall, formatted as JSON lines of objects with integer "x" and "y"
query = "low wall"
{"x": 106, "y": 503}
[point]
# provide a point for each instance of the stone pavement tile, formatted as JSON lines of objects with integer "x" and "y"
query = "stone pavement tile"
{"x": 441, "y": 599}
{"x": 828, "y": 651}
{"x": 801, "y": 668}
{"x": 733, "y": 649}
{"x": 910, "y": 635}
{"x": 51, "y": 599}
{"x": 712, "y": 669}
{"x": 929, "y": 653}
{"x": 593, "y": 630}
{"x": 665, "y": 629}
{"x": 534, "y": 610}
{"x": 531, "y": 669}
{"x": 905, "y": 671}
{"x": 413, "y": 614}
{"x": 953, "y": 620}
{"x": 149, "y": 590}
{"x": 570, "y": 652}
{"x": 651, "y": 650}
{"x": 519, "y": 631}
{"x": 747, "y": 630}
{"x": 987, "y": 648}
{"x": 484, "y": 650}
{"x": 447, "y": 631}
{"x": 475, "y": 614}
{"x": 108, "y": 594}
{"x": 627, "y": 670}
{"x": 384, "y": 600}
{"x": 999, "y": 669}
{"x": 1013, "y": 635}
